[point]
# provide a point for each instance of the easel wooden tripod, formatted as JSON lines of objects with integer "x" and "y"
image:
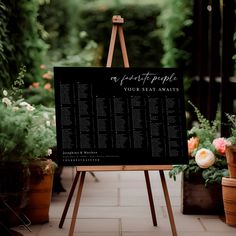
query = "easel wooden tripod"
{"x": 81, "y": 170}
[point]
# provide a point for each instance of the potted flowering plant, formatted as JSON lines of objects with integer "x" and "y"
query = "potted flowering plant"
{"x": 26, "y": 135}
{"x": 207, "y": 165}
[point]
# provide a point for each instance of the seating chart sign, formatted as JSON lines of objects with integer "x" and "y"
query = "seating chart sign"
{"x": 120, "y": 116}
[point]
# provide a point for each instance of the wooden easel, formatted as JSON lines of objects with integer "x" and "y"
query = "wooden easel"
{"x": 81, "y": 170}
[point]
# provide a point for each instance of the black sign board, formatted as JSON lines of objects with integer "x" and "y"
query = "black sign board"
{"x": 120, "y": 116}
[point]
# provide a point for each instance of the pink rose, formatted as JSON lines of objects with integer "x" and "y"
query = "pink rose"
{"x": 48, "y": 87}
{"x": 192, "y": 144}
{"x": 35, "y": 84}
{"x": 220, "y": 145}
{"x": 47, "y": 75}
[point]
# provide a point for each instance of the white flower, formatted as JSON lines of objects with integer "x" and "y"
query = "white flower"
{"x": 7, "y": 101}
{"x": 5, "y": 93}
{"x": 24, "y": 104}
{"x": 49, "y": 152}
{"x": 204, "y": 158}
{"x": 15, "y": 108}
{"x": 45, "y": 115}
{"x": 48, "y": 123}
{"x": 83, "y": 34}
{"x": 30, "y": 108}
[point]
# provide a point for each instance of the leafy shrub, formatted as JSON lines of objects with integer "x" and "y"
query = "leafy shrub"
{"x": 143, "y": 46}
{"x": 68, "y": 45}
{"x": 175, "y": 22}
{"x": 20, "y": 40}
{"x": 58, "y": 19}
{"x": 5, "y": 45}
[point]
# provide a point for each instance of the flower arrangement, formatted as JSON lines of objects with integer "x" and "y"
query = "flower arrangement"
{"x": 206, "y": 151}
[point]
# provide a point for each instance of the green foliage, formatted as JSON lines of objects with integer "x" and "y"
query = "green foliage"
{"x": 68, "y": 45}
{"x": 16, "y": 88}
{"x": 192, "y": 167}
{"x": 176, "y": 22}
{"x": 5, "y": 45}
{"x": 211, "y": 175}
{"x": 41, "y": 92}
{"x": 232, "y": 122}
{"x": 143, "y": 46}
{"x": 59, "y": 29}
{"x": 118, "y": 2}
{"x": 41, "y": 133}
{"x": 37, "y": 96}
{"x": 214, "y": 175}
{"x": 26, "y": 133}
{"x": 20, "y": 43}
{"x": 234, "y": 56}
{"x": 88, "y": 56}
{"x": 206, "y": 130}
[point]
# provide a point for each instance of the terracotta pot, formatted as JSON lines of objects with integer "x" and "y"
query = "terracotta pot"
{"x": 40, "y": 192}
{"x": 229, "y": 198}
{"x": 231, "y": 160}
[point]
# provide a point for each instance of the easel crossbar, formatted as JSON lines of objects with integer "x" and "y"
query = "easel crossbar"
{"x": 124, "y": 168}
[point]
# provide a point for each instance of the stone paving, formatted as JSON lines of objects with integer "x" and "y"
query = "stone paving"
{"x": 117, "y": 205}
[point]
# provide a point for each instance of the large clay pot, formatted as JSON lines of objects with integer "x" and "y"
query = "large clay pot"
{"x": 229, "y": 198}
{"x": 40, "y": 192}
{"x": 199, "y": 199}
{"x": 231, "y": 160}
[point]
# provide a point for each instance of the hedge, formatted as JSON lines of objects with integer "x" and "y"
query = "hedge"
{"x": 176, "y": 33}
{"x": 144, "y": 48}
{"x": 20, "y": 42}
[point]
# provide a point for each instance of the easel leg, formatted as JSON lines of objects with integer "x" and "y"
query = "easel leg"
{"x": 149, "y": 190}
{"x": 112, "y": 45}
{"x": 68, "y": 201}
{"x": 76, "y": 206}
{"x": 168, "y": 203}
{"x": 123, "y": 47}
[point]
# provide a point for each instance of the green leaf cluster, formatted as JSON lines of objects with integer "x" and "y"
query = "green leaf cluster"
{"x": 214, "y": 175}
{"x": 232, "y": 122}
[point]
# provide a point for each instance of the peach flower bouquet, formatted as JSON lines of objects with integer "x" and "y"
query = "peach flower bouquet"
{"x": 206, "y": 151}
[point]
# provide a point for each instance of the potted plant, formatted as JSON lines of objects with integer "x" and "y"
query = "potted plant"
{"x": 229, "y": 184}
{"x": 231, "y": 149}
{"x": 201, "y": 185}
{"x": 26, "y": 136}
